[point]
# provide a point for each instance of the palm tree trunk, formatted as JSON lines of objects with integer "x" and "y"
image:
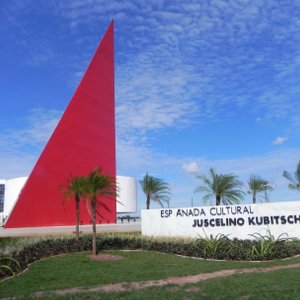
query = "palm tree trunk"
{"x": 148, "y": 201}
{"x": 77, "y": 200}
{"x": 218, "y": 200}
{"x": 254, "y": 198}
{"x": 93, "y": 202}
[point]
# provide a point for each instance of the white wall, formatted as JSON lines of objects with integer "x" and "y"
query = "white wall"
{"x": 278, "y": 217}
{"x": 126, "y": 200}
{"x": 127, "y": 193}
{"x": 12, "y": 190}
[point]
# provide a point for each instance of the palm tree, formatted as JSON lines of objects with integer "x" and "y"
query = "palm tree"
{"x": 294, "y": 180}
{"x": 257, "y": 185}
{"x": 155, "y": 189}
{"x": 225, "y": 188}
{"x": 98, "y": 184}
{"x": 75, "y": 188}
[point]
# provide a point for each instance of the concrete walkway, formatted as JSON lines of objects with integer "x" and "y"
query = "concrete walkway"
{"x": 58, "y": 230}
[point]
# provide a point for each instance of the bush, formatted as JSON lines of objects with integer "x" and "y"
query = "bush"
{"x": 9, "y": 267}
{"x": 261, "y": 247}
{"x": 269, "y": 247}
{"x": 219, "y": 247}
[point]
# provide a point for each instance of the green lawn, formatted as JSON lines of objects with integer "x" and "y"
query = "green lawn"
{"x": 77, "y": 270}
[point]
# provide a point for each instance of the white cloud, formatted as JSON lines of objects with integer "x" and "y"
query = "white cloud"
{"x": 280, "y": 140}
{"x": 19, "y": 148}
{"x": 151, "y": 97}
{"x": 269, "y": 166}
{"x": 133, "y": 157}
{"x": 174, "y": 61}
{"x": 15, "y": 164}
{"x": 191, "y": 167}
{"x": 154, "y": 37}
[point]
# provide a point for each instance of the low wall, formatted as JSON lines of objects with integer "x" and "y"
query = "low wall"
{"x": 236, "y": 221}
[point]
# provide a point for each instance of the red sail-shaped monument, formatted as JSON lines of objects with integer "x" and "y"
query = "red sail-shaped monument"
{"x": 83, "y": 139}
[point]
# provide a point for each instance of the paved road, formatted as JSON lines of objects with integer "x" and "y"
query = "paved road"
{"x": 57, "y": 230}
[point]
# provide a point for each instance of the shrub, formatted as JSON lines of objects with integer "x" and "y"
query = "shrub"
{"x": 260, "y": 248}
{"x": 237, "y": 249}
{"x": 9, "y": 266}
{"x": 211, "y": 245}
{"x": 269, "y": 247}
{"x": 219, "y": 247}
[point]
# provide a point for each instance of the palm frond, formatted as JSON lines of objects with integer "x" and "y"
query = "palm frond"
{"x": 155, "y": 189}
{"x": 259, "y": 186}
{"x": 294, "y": 180}
{"x": 223, "y": 186}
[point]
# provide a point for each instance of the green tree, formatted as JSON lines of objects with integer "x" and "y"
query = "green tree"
{"x": 257, "y": 185}
{"x": 98, "y": 185}
{"x": 294, "y": 180}
{"x": 75, "y": 188}
{"x": 155, "y": 189}
{"x": 225, "y": 188}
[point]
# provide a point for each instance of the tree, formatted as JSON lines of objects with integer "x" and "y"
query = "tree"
{"x": 258, "y": 185}
{"x": 155, "y": 189}
{"x": 294, "y": 180}
{"x": 225, "y": 188}
{"x": 97, "y": 185}
{"x": 75, "y": 188}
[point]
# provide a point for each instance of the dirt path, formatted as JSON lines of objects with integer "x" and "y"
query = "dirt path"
{"x": 125, "y": 286}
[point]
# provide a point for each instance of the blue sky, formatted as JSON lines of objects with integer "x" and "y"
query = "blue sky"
{"x": 199, "y": 84}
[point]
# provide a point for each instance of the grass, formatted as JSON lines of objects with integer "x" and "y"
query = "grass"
{"x": 274, "y": 285}
{"x": 283, "y": 284}
{"x": 77, "y": 270}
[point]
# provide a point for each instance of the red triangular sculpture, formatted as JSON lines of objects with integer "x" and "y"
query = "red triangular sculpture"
{"x": 83, "y": 139}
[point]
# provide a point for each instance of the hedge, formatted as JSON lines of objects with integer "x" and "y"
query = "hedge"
{"x": 217, "y": 248}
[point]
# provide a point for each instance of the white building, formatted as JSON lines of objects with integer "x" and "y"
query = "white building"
{"x": 11, "y": 188}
